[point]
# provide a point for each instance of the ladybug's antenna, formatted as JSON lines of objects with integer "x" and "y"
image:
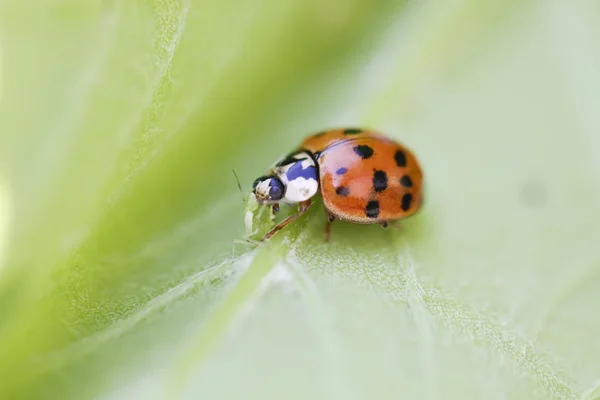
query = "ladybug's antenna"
{"x": 239, "y": 185}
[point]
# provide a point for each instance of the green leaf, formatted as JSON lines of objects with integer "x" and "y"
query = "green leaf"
{"x": 123, "y": 267}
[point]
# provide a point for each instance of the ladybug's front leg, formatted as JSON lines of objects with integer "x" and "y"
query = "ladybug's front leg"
{"x": 302, "y": 207}
{"x": 275, "y": 208}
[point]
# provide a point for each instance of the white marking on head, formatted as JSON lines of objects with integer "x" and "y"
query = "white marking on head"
{"x": 262, "y": 189}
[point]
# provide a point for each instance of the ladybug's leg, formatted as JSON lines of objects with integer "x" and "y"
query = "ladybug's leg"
{"x": 275, "y": 208}
{"x": 302, "y": 207}
{"x": 330, "y": 219}
{"x": 384, "y": 224}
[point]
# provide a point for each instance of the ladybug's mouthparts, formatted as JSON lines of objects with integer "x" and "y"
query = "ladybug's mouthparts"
{"x": 260, "y": 200}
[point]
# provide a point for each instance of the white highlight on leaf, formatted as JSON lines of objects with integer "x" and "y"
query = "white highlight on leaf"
{"x": 280, "y": 276}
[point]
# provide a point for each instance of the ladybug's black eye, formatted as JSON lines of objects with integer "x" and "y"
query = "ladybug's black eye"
{"x": 268, "y": 188}
{"x": 276, "y": 189}
{"x": 275, "y": 193}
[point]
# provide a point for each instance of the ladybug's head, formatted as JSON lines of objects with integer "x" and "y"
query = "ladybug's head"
{"x": 268, "y": 189}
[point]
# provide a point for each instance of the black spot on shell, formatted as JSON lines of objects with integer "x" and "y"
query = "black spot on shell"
{"x": 372, "y": 209}
{"x": 406, "y": 201}
{"x": 380, "y": 181}
{"x": 364, "y": 151}
{"x": 319, "y": 134}
{"x": 406, "y": 181}
{"x": 341, "y": 171}
{"x": 400, "y": 158}
{"x": 352, "y": 131}
{"x": 342, "y": 191}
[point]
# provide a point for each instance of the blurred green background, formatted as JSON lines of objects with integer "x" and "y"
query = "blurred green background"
{"x": 120, "y": 275}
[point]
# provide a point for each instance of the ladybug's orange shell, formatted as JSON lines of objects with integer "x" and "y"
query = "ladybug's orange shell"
{"x": 366, "y": 177}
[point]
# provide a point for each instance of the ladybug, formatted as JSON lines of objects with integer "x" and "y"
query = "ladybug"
{"x": 363, "y": 176}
